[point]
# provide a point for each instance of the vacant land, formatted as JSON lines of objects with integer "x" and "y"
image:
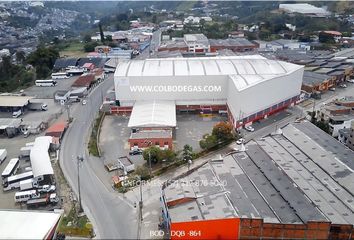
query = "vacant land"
{"x": 75, "y": 49}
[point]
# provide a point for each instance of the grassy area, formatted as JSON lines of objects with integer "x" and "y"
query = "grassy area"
{"x": 93, "y": 144}
{"x": 75, "y": 225}
{"x": 186, "y": 6}
{"x": 74, "y": 49}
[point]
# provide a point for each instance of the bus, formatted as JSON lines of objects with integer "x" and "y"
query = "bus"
{"x": 46, "y": 83}
{"x": 59, "y": 75}
{"x": 11, "y": 168}
{"x": 24, "y": 196}
{"x": 13, "y": 182}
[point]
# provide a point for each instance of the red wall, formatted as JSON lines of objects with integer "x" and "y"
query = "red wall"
{"x": 206, "y": 229}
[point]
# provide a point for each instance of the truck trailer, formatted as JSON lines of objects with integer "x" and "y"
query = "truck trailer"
{"x": 38, "y": 107}
{"x": 47, "y": 199}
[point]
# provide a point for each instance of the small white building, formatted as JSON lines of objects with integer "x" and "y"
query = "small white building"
{"x": 126, "y": 164}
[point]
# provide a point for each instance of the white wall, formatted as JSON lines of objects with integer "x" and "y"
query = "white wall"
{"x": 124, "y": 93}
{"x": 265, "y": 94}
{"x": 336, "y": 127}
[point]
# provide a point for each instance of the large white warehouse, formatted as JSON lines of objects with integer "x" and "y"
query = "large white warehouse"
{"x": 248, "y": 87}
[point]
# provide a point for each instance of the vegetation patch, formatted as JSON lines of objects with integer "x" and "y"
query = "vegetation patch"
{"x": 75, "y": 224}
{"x": 93, "y": 144}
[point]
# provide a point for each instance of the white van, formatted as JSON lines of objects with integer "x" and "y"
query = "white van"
{"x": 16, "y": 114}
{"x": 24, "y": 196}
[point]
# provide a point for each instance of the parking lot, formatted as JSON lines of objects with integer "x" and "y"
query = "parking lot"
{"x": 48, "y": 92}
{"x": 13, "y": 150}
{"x": 192, "y": 127}
{"x": 115, "y": 134}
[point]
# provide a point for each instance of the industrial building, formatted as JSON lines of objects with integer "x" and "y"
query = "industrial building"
{"x": 247, "y": 87}
{"x": 296, "y": 184}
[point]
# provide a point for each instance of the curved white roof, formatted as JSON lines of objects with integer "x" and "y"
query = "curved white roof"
{"x": 39, "y": 156}
{"x": 153, "y": 114}
{"x": 209, "y": 66}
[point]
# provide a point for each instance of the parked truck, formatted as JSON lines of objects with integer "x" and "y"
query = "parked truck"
{"x": 38, "y": 106}
{"x": 3, "y": 154}
{"x": 28, "y": 184}
{"x": 47, "y": 199}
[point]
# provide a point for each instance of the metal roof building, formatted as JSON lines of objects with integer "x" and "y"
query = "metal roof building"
{"x": 20, "y": 224}
{"x": 39, "y": 156}
{"x": 14, "y": 101}
{"x": 246, "y": 84}
{"x": 280, "y": 182}
{"x": 153, "y": 114}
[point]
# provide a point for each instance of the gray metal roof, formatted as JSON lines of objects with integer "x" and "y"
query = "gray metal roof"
{"x": 325, "y": 151}
{"x": 311, "y": 78}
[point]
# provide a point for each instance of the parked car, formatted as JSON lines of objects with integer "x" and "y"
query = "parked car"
{"x": 343, "y": 85}
{"x": 249, "y": 128}
{"x": 46, "y": 189}
{"x": 332, "y": 89}
{"x": 350, "y": 80}
{"x": 136, "y": 151}
{"x": 240, "y": 141}
{"x": 84, "y": 102}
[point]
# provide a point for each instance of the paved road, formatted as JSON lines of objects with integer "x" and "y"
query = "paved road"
{"x": 111, "y": 216}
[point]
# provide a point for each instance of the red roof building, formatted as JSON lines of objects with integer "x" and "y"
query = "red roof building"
{"x": 84, "y": 80}
{"x": 57, "y": 130}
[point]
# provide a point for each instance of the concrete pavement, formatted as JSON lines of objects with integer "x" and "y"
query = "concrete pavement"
{"x": 112, "y": 218}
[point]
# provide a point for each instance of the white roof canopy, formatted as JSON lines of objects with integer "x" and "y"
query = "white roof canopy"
{"x": 153, "y": 114}
{"x": 40, "y": 160}
{"x": 16, "y": 224}
{"x": 208, "y": 66}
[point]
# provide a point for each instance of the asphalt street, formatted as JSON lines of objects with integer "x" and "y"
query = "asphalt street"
{"x": 112, "y": 217}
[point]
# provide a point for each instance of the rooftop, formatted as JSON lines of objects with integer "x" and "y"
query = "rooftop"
{"x": 153, "y": 114}
{"x": 199, "y": 37}
{"x": 151, "y": 134}
{"x": 208, "y": 66}
{"x": 235, "y": 42}
{"x": 23, "y": 224}
{"x": 299, "y": 176}
{"x": 311, "y": 78}
{"x": 10, "y": 122}
{"x": 14, "y": 101}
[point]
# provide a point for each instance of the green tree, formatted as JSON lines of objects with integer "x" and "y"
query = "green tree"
{"x": 90, "y": 46}
{"x": 187, "y": 152}
{"x": 168, "y": 154}
{"x": 43, "y": 60}
{"x": 325, "y": 38}
{"x": 143, "y": 172}
{"x": 208, "y": 141}
{"x": 154, "y": 153}
{"x": 87, "y": 38}
{"x": 101, "y": 32}
{"x": 223, "y": 131}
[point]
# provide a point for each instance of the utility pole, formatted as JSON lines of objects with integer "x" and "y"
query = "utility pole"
{"x": 68, "y": 111}
{"x": 141, "y": 201}
{"x": 313, "y": 111}
{"x": 79, "y": 160}
{"x": 148, "y": 144}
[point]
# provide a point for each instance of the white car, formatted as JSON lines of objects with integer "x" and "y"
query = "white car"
{"x": 240, "y": 141}
{"x": 343, "y": 85}
{"x": 350, "y": 80}
{"x": 249, "y": 128}
{"x": 47, "y": 189}
{"x": 332, "y": 89}
{"x": 84, "y": 102}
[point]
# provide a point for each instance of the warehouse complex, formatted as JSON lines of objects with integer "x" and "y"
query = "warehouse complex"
{"x": 247, "y": 87}
{"x": 296, "y": 184}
